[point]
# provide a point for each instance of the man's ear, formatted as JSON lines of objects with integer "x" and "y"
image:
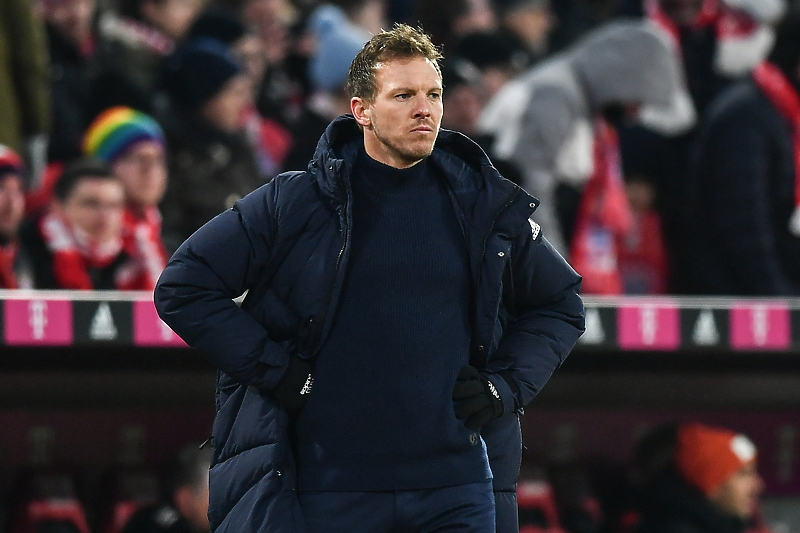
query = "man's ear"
{"x": 361, "y": 112}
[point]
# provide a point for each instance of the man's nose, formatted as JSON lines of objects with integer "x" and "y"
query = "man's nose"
{"x": 422, "y": 107}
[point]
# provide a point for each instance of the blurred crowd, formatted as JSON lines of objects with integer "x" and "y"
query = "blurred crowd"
{"x": 684, "y": 477}
{"x": 662, "y": 137}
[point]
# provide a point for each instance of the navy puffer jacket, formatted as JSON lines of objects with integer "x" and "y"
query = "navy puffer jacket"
{"x": 287, "y": 245}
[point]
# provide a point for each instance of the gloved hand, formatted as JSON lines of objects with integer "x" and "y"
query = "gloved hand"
{"x": 293, "y": 389}
{"x": 475, "y": 398}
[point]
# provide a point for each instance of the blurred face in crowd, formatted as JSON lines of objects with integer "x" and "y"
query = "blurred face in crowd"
{"x": 532, "y": 24}
{"x": 271, "y": 18}
{"x": 12, "y": 205}
{"x": 402, "y": 123}
{"x": 738, "y": 496}
{"x": 142, "y": 170}
{"x": 71, "y": 18}
{"x": 173, "y": 17}
{"x": 463, "y": 108}
{"x": 682, "y": 12}
{"x": 192, "y": 503}
{"x": 250, "y": 51}
{"x": 225, "y": 111}
{"x": 95, "y": 207}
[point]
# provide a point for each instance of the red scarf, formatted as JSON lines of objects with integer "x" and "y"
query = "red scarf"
{"x": 142, "y": 241}
{"x": 603, "y": 218}
{"x": 728, "y": 23}
{"x": 74, "y": 254}
{"x": 780, "y": 91}
{"x": 8, "y": 278}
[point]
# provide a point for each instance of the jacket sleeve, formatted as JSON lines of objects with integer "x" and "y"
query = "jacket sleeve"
{"x": 547, "y": 318}
{"x": 195, "y": 292}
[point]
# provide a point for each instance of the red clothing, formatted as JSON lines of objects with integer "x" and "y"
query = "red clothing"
{"x": 8, "y": 278}
{"x": 142, "y": 242}
{"x": 603, "y": 217}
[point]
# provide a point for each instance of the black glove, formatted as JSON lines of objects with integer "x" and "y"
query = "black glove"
{"x": 294, "y": 387}
{"x": 475, "y": 398}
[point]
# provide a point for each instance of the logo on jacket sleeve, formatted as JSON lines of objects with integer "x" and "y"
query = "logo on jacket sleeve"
{"x": 535, "y": 228}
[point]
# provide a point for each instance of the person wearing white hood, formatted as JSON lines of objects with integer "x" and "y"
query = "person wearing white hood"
{"x": 549, "y": 121}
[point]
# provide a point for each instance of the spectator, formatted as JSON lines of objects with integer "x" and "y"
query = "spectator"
{"x": 555, "y": 122}
{"x": 720, "y": 42}
{"x": 713, "y": 486}
{"x": 745, "y": 204}
{"x": 270, "y": 140}
{"x": 529, "y": 22}
{"x": 184, "y": 506}
{"x": 337, "y": 43}
{"x": 132, "y": 144}
{"x": 77, "y": 243}
{"x": 283, "y": 87}
{"x": 72, "y": 44}
{"x": 138, "y": 40}
{"x": 24, "y": 96}
{"x": 212, "y": 163}
{"x": 14, "y": 269}
{"x": 497, "y": 56}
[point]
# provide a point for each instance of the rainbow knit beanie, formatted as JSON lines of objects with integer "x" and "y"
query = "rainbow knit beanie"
{"x": 112, "y": 133}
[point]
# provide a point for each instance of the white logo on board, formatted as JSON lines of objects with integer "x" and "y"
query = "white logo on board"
{"x": 103, "y": 327}
{"x": 594, "y": 333}
{"x": 37, "y": 318}
{"x": 705, "y": 332}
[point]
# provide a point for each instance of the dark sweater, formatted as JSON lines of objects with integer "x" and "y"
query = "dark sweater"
{"x": 381, "y": 415}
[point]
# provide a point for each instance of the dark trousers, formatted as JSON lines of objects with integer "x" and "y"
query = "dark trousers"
{"x": 458, "y": 509}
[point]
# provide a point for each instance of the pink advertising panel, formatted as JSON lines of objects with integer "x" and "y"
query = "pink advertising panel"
{"x": 760, "y": 326}
{"x": 649, "y": 326}
{"x": 37, "y": 322}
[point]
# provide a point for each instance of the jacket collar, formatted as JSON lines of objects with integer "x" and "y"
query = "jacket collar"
{"x": 463, "y": 163}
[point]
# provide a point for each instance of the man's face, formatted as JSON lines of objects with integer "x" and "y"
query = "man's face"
{"x": 12, "y": 204}
{"x": 142, "y": 171}
{"x": 95, "y": 207}
{"x": 682, "y": 12}
{"x": 72, "y": 18}
{"x": 738, "y": 496}
{"x": 402, "y": 123}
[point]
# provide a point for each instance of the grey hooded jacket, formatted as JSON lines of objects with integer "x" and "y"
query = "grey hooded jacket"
{"x": 543, "y": 120}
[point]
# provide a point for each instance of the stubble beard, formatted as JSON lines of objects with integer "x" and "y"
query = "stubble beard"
{"x": 409, "y": 154}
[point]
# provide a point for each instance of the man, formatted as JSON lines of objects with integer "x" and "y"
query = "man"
{"x": 713, "y": 488}
{"x": 184, "y": 506}
{"x": 132, "y": 143}
{"x": 78, "y": 242}
{"x": 401, "y": 305}
{"x": 12, "y": 210}
{"x": 744, "y": 204}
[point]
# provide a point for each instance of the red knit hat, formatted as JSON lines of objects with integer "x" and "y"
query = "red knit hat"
{"x": 706, "y": 456}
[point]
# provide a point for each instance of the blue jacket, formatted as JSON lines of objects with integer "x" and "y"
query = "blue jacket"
{"x": 287, "y": 245}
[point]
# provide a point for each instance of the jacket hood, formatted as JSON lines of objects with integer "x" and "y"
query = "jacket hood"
{"x": 627, "y": 62}
{"x": 634, "y": 62}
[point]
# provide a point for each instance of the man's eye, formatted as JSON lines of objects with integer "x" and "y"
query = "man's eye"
{"x": 435, "y": 96}
{"x": 402, "y": 96}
